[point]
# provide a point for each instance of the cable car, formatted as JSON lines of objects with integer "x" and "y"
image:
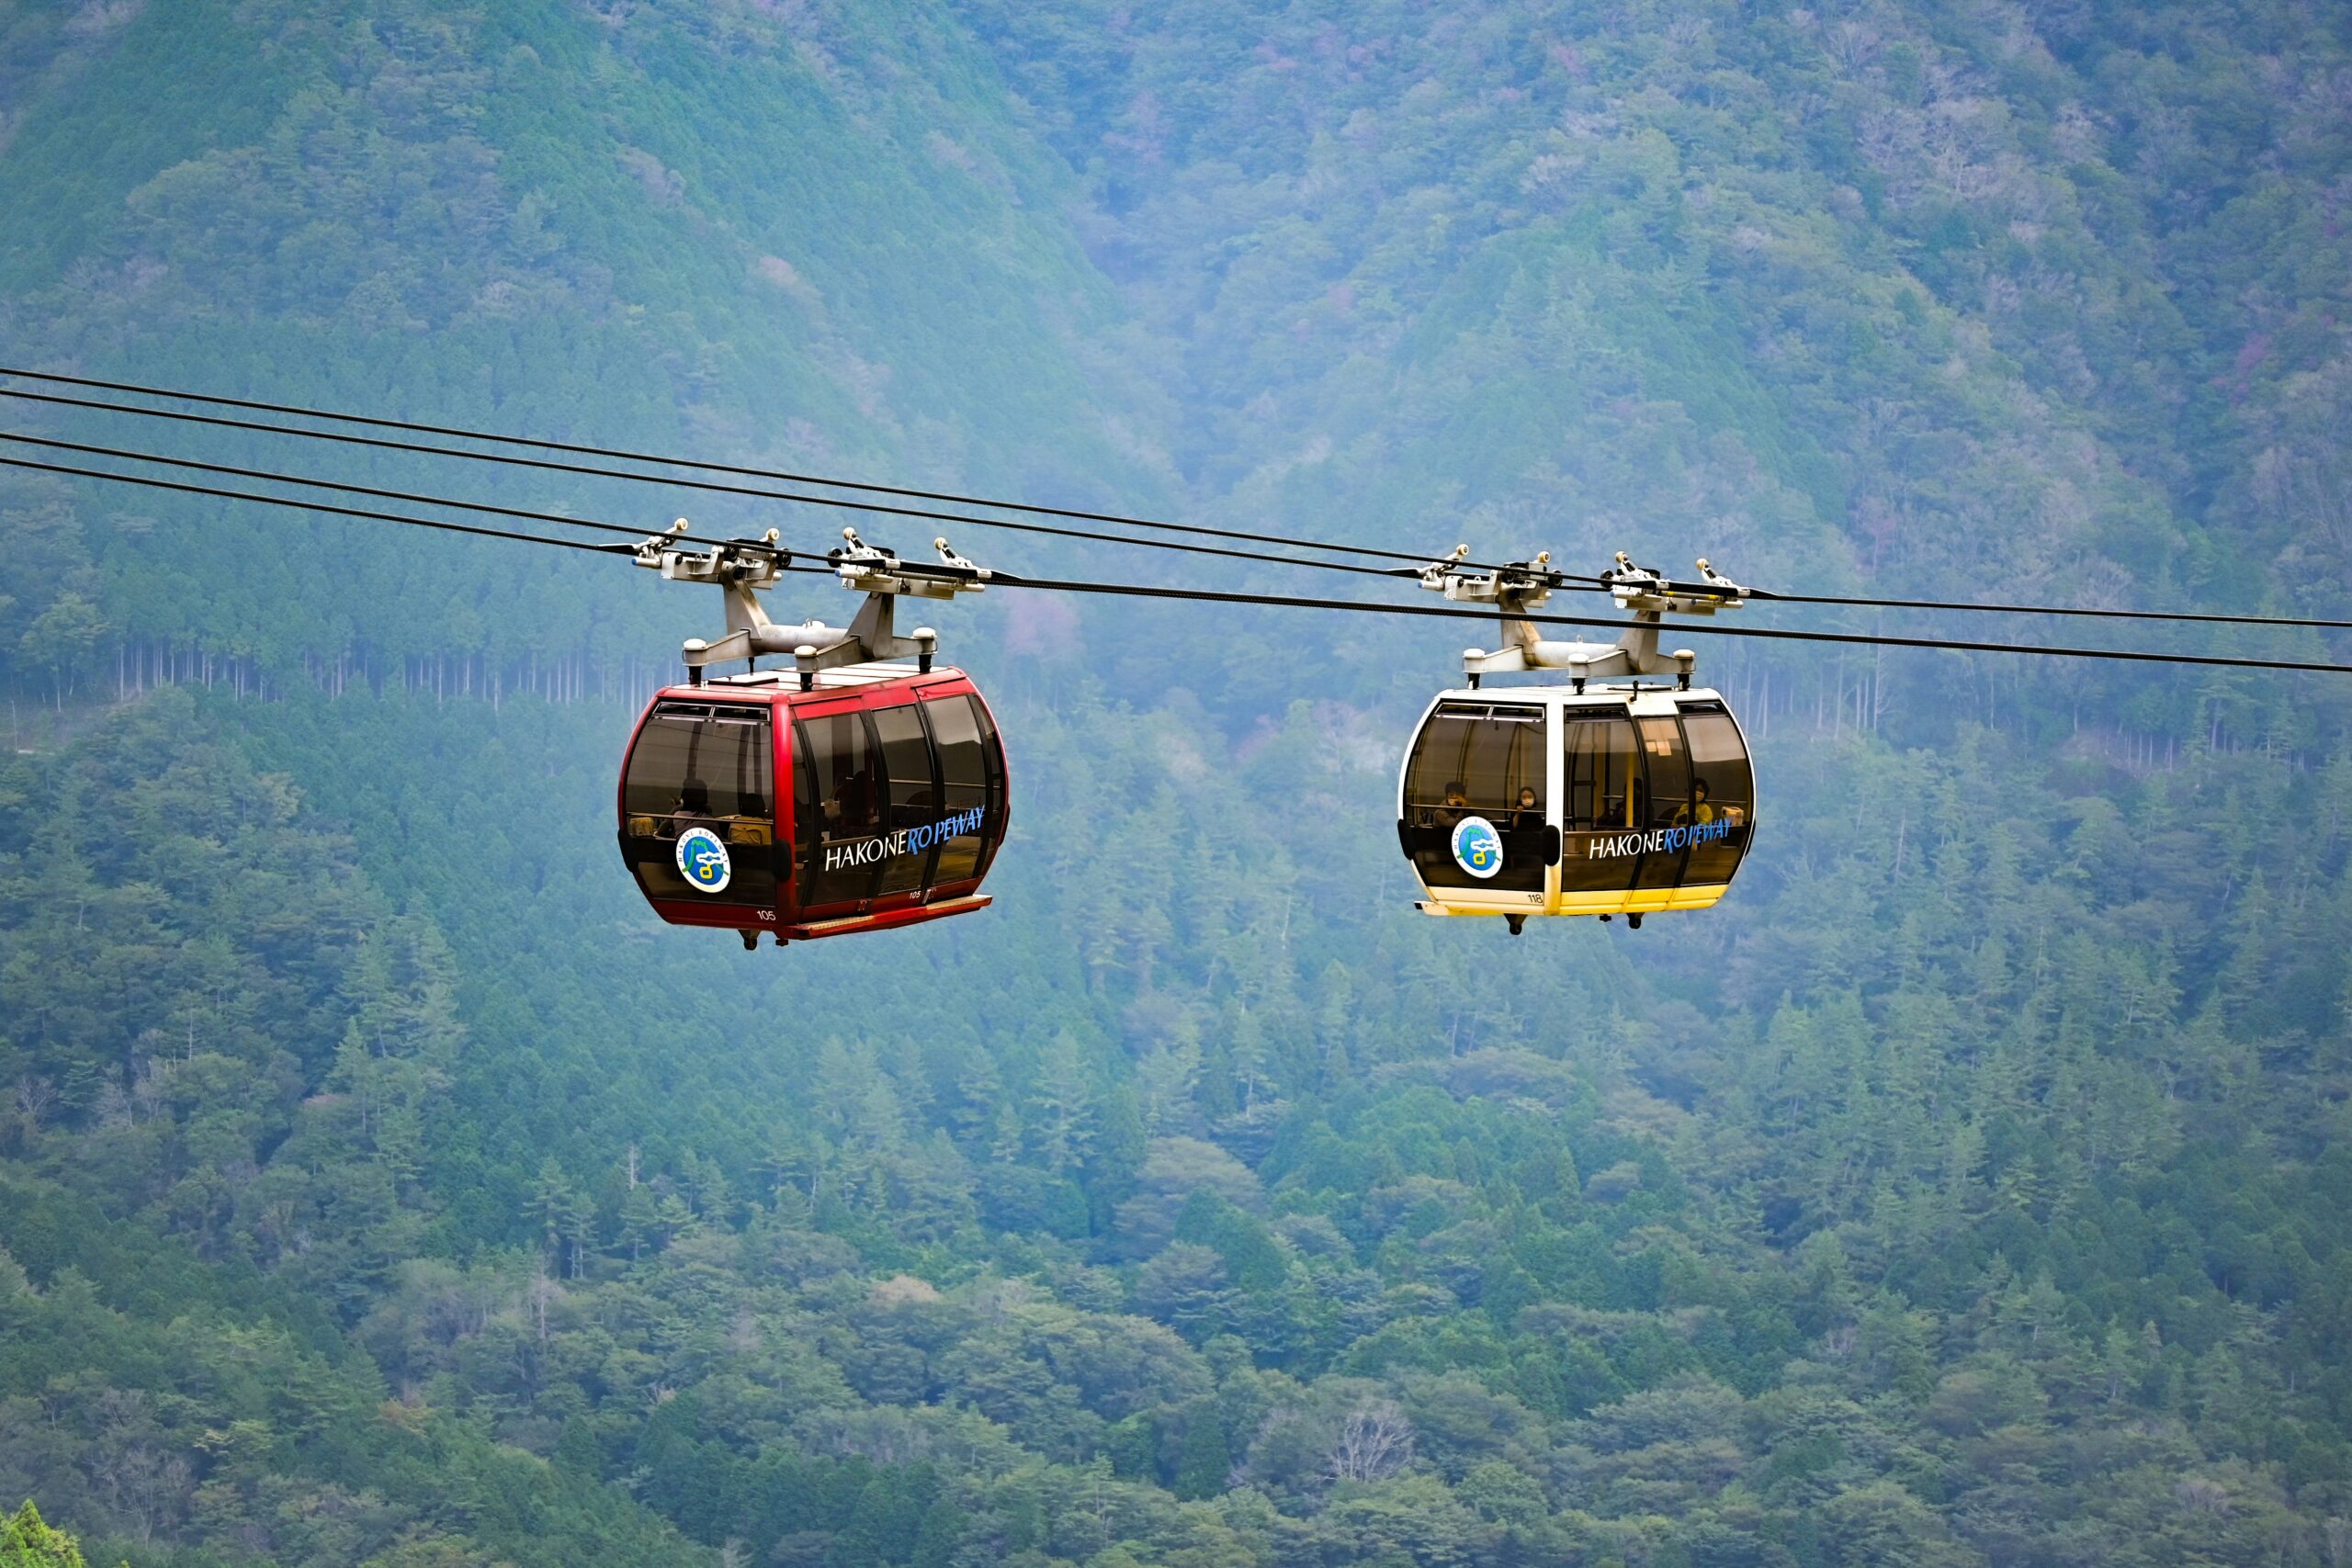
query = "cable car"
{"x": 856, "y": 791}
{"x": 1616, "y": 801}
{"x": 1597, "y": 798}
{"x": 892, "y": 809}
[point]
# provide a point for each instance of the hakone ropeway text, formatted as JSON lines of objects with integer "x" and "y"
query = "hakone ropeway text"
{"x": 906, "y": 841}
{"x": 1658, "y": 840}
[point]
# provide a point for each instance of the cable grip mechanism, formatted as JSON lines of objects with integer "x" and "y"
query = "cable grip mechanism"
{"x": 745, "y": 568}
{"x": 1518, "y": 588}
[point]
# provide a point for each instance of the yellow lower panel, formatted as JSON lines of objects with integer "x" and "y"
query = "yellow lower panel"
{"x": 1638, "y": 901}
{"x": 1433, "y": 905}
{"x": 1445, "y": 903}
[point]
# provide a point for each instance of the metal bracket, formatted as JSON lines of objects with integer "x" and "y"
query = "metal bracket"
{"x": 871, "y": 569}
{"x": 1517, "y": 590}
{"x": 1516, "y": 586}
{"x": 1642, "y": 587}
{"x": 743, "y": 568}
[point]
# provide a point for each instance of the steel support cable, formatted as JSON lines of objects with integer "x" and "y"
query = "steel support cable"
{"x": 1558, "y": 579}
{"x": 1864, "y": 639}
{"x": 616, "y": 455}
{"x": 798, "y": 499}
{"x": 414, "y": 498}
{"x": 1769, "y": 595}
{"x": 1579, "y": 583}
{"x": 279, "y": 478}
{"x": 440, "y": 524}
{"x": 1210, "y": 596}
{"x": 1573, "y": 585}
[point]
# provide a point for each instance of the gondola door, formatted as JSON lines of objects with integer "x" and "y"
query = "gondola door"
{"x": 1600, "y": 802}
{"x": 698, "y": 813}
{"x": 911, "y": 782}
{"x": 1475, "y": 816}
{"x": 841, "y": 803}
{"x": 898, "y": 804}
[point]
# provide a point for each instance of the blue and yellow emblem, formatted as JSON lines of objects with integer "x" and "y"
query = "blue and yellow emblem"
{"x": 702, "y": 861}
{"x": 1477, "y": 848}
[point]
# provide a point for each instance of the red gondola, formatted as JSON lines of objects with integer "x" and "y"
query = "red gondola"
{"x": 895, "y": 807}
{"x": 893, "y": 800}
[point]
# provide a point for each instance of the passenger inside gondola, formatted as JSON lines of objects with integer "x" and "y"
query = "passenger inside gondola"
{"x": 852, "y": 807}
{"x": 1486, "y": 761}
{"x": 694, "y": 800}
{"x": 698, "y": 766}
{"x": 1523, "y": 829}
{"x": 1697, "y": 810}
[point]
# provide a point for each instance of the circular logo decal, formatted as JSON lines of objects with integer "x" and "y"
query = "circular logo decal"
{"x": 702, "y": 860}
{"x": 1477, "y": 848}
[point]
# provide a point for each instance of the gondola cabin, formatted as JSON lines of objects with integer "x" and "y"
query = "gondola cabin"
{"x": 1616, "y": 800}
{"x": 876, "y": 797}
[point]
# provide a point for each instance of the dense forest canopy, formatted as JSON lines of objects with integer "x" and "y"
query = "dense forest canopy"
{"x": 382, "y": 1186}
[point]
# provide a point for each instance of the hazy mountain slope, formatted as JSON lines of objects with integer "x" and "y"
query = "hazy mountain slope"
{"x": 265, "y": 1049}
{"x": 1968, "y": 1189}
{"x": 1995, "y": 302}
{"x": 800, "y": 239}
{"x": 1982, "y": 1143}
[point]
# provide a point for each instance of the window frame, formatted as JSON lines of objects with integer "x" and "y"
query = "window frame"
{"x": 762, "y": 870}
{"x": 803, "y": 743}
{"x": 990, "y": 754}
{"x": 1528, "y": 855}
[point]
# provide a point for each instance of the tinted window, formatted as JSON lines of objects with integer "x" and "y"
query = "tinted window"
{"x": 1723, "y": 790}
{"x": 706, "y": 765}
{"x": 1602, "y": 770}
{"x": 703, "y": 758}
{"x": 1436, "y": 764}
{"x": 1000, "y": 808}
{"x": 1667, "y": 797}
{"x": 913, "y": 802}
{"x": 1476, "y": 759}
{"x": 963, "y": 784}
{"x": 846, "y": 816}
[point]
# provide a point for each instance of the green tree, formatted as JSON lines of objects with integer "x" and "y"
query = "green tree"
{"x": 27, "y": 1542}
{"x": 1206, "y": 1459}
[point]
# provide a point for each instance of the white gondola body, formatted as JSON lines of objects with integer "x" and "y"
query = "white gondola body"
{"x": 1617, "y": 827}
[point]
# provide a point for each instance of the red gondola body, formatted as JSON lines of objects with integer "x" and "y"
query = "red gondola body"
{"x": 892, "y": 803}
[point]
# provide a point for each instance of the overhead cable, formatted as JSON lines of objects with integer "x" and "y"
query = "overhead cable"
{"x": 441, "y": 525}
{"x": 1572, "y": 582}
{"x": 742, "y": 471}
{"x": 1864, "y": 639}
{"x": 1767, "y": 595}
{"x": 1266, "y": 600}
{"x": 565, "y": 519}
{"x": 961, "y": 519}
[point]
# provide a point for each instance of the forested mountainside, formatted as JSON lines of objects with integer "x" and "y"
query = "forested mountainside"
{"x": 380, "y": 1186}
{"x": 1943, "y": 295}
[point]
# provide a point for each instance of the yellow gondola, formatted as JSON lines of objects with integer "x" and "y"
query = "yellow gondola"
{"x": 1600, "y": 797}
